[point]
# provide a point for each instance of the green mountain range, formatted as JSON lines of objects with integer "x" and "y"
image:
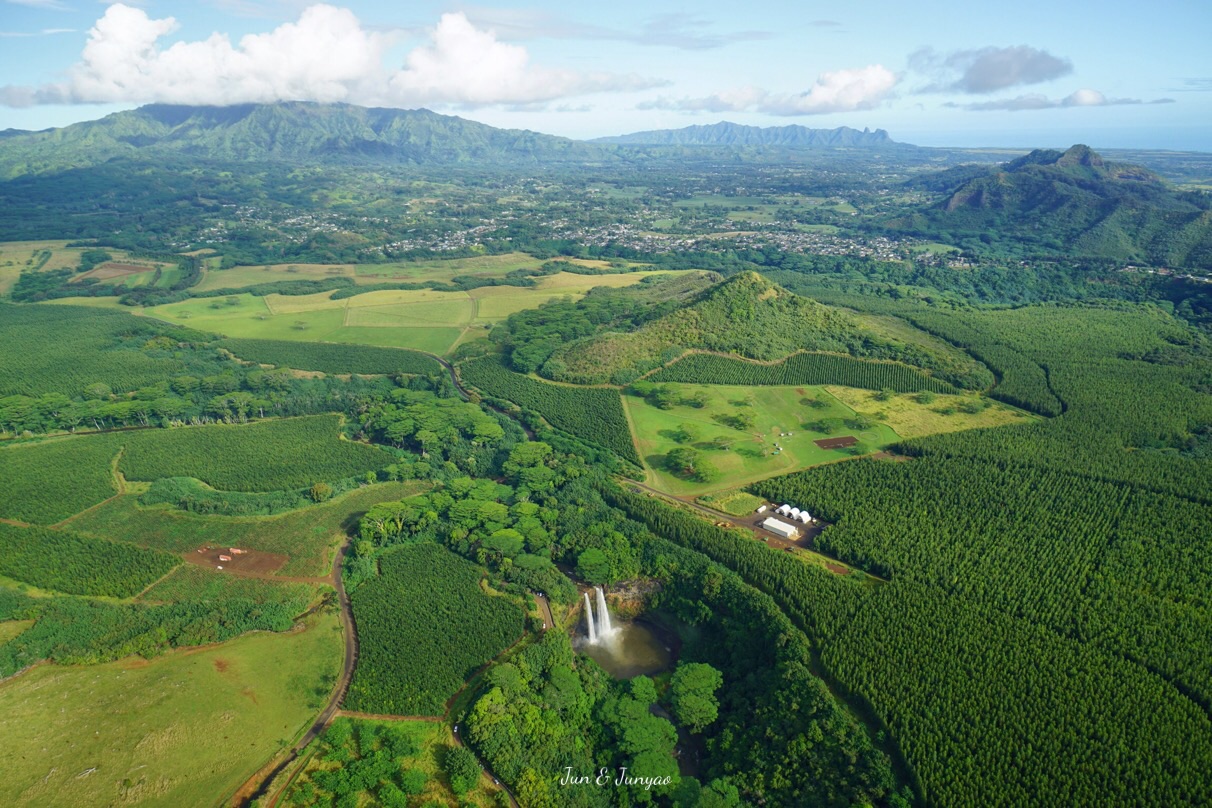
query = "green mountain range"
{"x": 288, "y": 131}
{"x": 1073, "y": 202}
{"x": 735, "y": 134}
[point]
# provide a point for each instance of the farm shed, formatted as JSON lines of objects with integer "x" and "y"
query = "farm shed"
{"x": 761, "y": 509}
{"x": 804, "y": 517}
{"x": 780, "y": 528}
{"x": 784, "y": 509}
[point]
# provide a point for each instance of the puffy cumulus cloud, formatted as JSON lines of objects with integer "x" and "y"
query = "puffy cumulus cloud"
{"x": 465, "y": 65}
{"x": 325, "y": 56}
{"x": 1078, "y": 98}
{"x": 834, "y": 91}
{"x": 989, "y": 69}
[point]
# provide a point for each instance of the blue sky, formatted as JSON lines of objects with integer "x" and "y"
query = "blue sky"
{"x": 1028, "y": 73}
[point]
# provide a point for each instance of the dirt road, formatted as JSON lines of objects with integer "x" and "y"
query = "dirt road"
{"x": 255, "y": 787}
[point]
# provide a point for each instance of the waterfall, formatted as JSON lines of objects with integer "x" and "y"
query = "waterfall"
{"x": 593, "y": 635}
{"x": 603, "y": 615}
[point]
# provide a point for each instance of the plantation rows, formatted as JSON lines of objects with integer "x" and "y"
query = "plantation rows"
{"x": 264, "y": 456}
{"x": 48, "y": 482}
{"x": 77, "y": 565}
{"x": 63, "y": 349}
{"x": 424, "y": 626}
{"x": 1133, "y": 399}
{"x": 986, "y": 532}
{"x": 987, "y": 708}
{"x": 45, "y": 483}
{"x": 332, "y": 358}
{"x": 802, "y": 368}
{"x": 592, "y": 413}
{"x": 993, "y": 711}
{"x": 1021, "y": 381}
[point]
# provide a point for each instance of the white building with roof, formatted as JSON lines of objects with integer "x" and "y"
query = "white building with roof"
{"x": 780, "y": 528}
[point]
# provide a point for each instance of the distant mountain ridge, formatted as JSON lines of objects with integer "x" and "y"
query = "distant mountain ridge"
{"x": 734, "y": 134}
{"x": 1074, "y": 202}
{"x": 285, "y": 131}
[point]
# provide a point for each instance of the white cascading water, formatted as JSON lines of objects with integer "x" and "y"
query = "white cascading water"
{"x": 593, "y": 634}
{"x": 603, "y": 615}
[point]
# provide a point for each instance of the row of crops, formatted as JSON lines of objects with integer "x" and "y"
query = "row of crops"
{"x": 48, "y": 482}
{"x": 802, "y": 368}
{"x": 64, "y": 349}
{"x": 594, "y": 414}
{"x": 975, "y": 694}
{"x": 410, "y": 662}
{"x": 332, "y": 358}
{"x": 79, "y": 565}
{"x": 264, "y": 456}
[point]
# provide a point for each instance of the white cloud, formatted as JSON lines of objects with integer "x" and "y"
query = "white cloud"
{"x": 464, "y": 65}
{"x": 988, "y": 69}
{"x": 54, "y": 5}
{"x": 834, "y": 91}
{"x": 1079, "y": 98}
{"x": 327, "y": 56}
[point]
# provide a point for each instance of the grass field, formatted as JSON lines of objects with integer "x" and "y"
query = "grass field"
{"x": 179, "y": 730}
{"x": 423, "y": 319}
{"x": 736, "y": 503}
{"x": 809, "y": 413}
{"x": 910, "y": 418}
{"x": 16, "y": 256}
{"x": 485, "y": 266}
{"x": 11, "y": 628}
{"x": 307, "y": 536}
{"x": 751, "y": 454}
{"x": 190, "y": 583}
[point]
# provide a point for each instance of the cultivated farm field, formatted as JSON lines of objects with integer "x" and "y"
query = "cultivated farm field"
{"x": 178, "y": 730}
{"x": 420, "y": 319}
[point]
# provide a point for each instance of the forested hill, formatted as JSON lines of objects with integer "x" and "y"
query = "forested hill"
{"x": 1073, "y": 202}
{"x": 735, "y": 134}
{"x": 288, "y": 131}
{"x": 746, "y": 315}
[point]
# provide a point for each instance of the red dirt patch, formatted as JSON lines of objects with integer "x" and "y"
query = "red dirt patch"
{"x": 248, "y": 562}
{"x": 836, "y": 443}
{"x": 221, "y": 665}
{"x": 837, "y": 569}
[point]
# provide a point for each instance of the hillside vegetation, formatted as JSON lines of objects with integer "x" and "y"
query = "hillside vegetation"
{"x": 745, "y": 315}
{"x": 1073, "y": 202}
{"x": 291, "y": 131}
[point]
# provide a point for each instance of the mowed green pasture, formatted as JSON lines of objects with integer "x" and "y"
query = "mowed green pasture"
{"x": 420, "y": 319}
{"x": 183, "y": 729}
{"x": 307, "y": 536}
{"x": 752, "y": 454}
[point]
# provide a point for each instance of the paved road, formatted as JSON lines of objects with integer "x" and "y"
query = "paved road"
{"x": 545, "y": 610}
